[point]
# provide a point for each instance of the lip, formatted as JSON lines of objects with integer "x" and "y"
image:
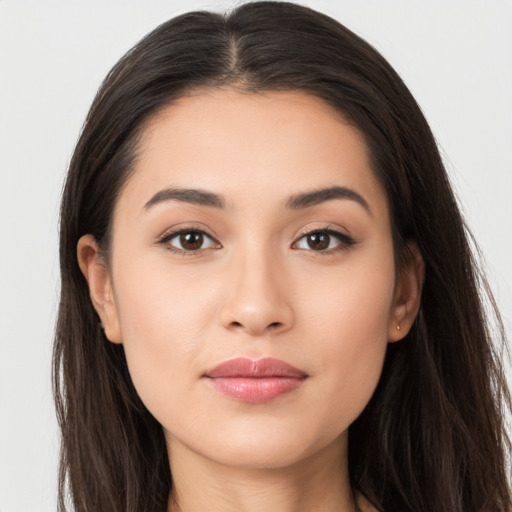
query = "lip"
{"x": 257, "y": 381}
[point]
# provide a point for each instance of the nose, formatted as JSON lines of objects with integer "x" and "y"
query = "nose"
{"x": 257, "y": 301}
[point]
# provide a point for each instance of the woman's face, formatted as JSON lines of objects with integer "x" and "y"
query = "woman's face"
{"x": 251, "y": 237}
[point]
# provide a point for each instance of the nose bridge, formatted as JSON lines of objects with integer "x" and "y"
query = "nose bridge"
{"x": 258, "y": 299}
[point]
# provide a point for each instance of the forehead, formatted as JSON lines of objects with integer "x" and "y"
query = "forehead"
{"x": 258, "y": 145}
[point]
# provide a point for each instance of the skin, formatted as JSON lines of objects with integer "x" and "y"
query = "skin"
{"x": 255, "y": 288}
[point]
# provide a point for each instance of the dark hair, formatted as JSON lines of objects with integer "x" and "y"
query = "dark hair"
{"x": 433, "y": 436}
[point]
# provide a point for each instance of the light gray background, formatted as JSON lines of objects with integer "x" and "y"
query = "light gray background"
{"x": 455, "y": 55}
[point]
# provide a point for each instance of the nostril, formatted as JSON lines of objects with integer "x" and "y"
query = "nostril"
{"x": 272, "y": 326}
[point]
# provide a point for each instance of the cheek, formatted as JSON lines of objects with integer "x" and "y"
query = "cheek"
{"x": 349, "y": 322}
{"x": 163, "y": 332}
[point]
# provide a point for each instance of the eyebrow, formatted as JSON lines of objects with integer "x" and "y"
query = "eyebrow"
{"x": 316, "y": 197}
{"x": 296, "y": 202}
{"x": 192, "y": 196}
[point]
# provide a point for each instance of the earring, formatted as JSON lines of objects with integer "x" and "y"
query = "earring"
{"x": 397, "y": 327}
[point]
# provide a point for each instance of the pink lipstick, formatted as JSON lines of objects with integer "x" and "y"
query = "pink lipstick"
{"x": 255, "y": 382}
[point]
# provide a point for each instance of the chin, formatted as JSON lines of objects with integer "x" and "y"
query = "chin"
{"x": 262, "y": 445}
{"x": 259, "y": 455}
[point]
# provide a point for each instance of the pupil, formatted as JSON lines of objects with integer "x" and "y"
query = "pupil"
{"x": 318, "y": 241}
{"x": 191, "y": 241}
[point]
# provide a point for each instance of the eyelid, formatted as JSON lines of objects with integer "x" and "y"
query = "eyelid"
{"x": 188, "y": 226}
{"x": 346, "y": 241}
{"x": 176, "y": 231}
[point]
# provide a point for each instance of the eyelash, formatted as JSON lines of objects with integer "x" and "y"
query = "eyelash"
{"x": 167, "y": 237}
{"x": 345, "y": 241}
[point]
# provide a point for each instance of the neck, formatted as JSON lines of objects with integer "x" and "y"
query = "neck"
{"x": 319, "y": 482}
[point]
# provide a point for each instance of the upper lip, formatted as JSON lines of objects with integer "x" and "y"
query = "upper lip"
{"x": 244, "y": 367}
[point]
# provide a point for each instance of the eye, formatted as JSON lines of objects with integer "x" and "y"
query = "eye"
{"x": 324, "y": 240}
{"x": 188, "y": 241}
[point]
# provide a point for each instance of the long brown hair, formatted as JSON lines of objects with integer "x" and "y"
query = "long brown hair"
{"x": 433, "y": 436}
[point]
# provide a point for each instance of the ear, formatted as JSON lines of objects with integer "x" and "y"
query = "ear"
{"x": 98, "y": 278}
{"x": 407, "y": 297}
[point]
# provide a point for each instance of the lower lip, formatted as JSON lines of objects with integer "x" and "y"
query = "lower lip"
{"x": 255, "y": 390}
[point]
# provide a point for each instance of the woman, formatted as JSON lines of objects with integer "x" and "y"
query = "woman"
{"x": 268, "y": 297}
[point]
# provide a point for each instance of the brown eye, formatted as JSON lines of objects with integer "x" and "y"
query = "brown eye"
{"x": 191, "y": 241}
{"x": 324, "y": 240}
{"x": 318, "y": 241}
{"x": 188, "y": 241}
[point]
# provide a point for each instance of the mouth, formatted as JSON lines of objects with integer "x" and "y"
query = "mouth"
{"x": 255, "y": 382}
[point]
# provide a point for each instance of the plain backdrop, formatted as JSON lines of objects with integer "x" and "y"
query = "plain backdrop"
{"x": 456, "y": 56}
